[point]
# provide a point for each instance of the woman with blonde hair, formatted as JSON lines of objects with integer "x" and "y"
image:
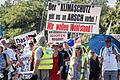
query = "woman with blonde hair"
{"x": 78, "y": 64}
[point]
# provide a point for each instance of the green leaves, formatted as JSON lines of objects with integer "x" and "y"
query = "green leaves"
{"x": 26, "y": 16}
{"x": 21, "y": 15}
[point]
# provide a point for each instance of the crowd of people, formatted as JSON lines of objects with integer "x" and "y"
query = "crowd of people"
{"x": 58, "y": 61}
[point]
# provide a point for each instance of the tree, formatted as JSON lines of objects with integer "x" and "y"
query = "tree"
{"x": 104, "y": 13}
{"x": 22, "y": 17}
{"x": 116, "y": 22}
{"x": 112, "y": 14}
{"x": 26, "y": 16}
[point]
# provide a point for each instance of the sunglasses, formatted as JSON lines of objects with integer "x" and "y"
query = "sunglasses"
{"x": 107, "y": 41}
{"x": 15, "y": 50}
{"x": 93, "y": 52}
{"x": 19, "y": 49}
{"x": 55, "y": 46}
{"x": 77, "y": 48}
{"x": 30, "y": 43}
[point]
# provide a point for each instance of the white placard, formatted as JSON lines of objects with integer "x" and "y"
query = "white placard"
{"x": 24, "y": 38}
{"x": 73, "y": 17}
{"x": 57, "y": 36}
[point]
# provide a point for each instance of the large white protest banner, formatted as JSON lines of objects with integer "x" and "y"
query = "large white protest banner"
{"x": 57, "y": 36}
{"x": 24, "y": 38}
{"x": 73, "y": 17}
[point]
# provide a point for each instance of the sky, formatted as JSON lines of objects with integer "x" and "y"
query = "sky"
{"x": 111, "y": 2}
{"x": 2, "y": 1}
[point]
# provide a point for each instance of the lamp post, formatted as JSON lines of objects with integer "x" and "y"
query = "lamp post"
{"x": 45, "y": 2}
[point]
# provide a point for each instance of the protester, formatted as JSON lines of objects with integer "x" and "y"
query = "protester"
{"x": 14, "y": 73}
{"x": 31, "y": 58}
{"x": 43, "y": 59}
{"x": 78, "y": 64}
{"x": 55, "y": 72}
{"x": 4, "y": 64}
{"x": 94, "y": 66}
{"x": 108, "y": 56}
{"x": 8, "y": 51}
{"x": 27, "y": 53}
{"x": 11, "y": 55}
{"x": 64, "y": 72}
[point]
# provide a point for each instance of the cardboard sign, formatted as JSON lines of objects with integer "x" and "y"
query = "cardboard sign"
{"x": 73, "y": 17}
{"x": 24, "y": 38}
{"x": 57, "y": 36}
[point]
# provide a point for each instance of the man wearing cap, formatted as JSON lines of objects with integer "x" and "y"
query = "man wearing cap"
{"x": 43, "y": 59}
{"x": 108, "y": 56}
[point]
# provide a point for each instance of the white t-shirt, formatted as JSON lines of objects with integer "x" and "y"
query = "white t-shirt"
{"x": 109, "y": 59}
{"x": 27, "y": 53}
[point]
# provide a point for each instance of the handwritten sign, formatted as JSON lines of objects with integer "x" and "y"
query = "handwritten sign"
{"x": 24, "y": 38}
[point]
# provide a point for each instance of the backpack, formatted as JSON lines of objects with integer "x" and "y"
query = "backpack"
{"x": 104, "y": 48}
{"x": 114, "y": 52}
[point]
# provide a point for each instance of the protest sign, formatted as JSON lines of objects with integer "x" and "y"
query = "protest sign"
{"x": 24, "y": 38}
{"x": 73, "y": 17}
{"x": 57, "y": 36}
